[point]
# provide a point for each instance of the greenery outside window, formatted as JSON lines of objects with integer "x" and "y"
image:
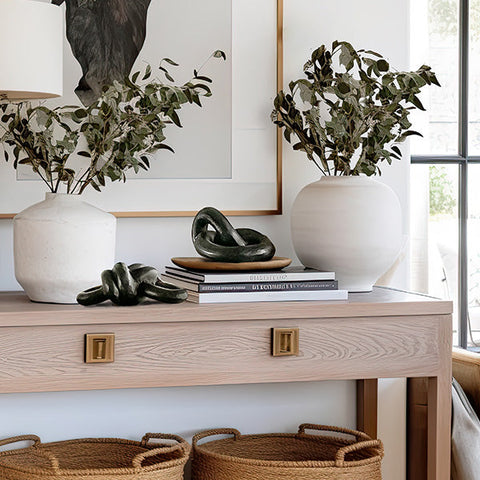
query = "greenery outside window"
{"x": 445, "y": 173}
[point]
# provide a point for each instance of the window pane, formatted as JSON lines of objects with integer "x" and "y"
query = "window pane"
{"x": 474, "y": 74}
{"x": 434, "y": 41}
{"x": 474, "y": 251}
{"x": 434, "y": 232}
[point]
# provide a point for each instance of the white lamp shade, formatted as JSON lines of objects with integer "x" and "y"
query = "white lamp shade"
{"x": 31, "y": 50}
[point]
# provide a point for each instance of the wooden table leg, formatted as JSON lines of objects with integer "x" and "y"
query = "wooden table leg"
{"x": 367, "y": 406}
{"x": 417, "y": 426}
{"x": 439, "y": 435}
{"x": 429, "y": 417}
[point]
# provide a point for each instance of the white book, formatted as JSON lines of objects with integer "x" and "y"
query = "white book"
{"x": 267, "y": 296}
{"x": 287, "y": 274}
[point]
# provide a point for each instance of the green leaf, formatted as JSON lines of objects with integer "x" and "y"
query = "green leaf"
{"x": 170, "y": 61}
{"x": 220, "y": 54}
{"x": 371, "y": 52}
{"x": 200, "y": 86}
{"x": 409, "y": 133}
{"x": 175, "y": 118}
{"x": 163, "y": 146}
{"x": 345, "y": 56}
{"x": 95, "y": 186}
{"x": 416, "y": 101}
{"x": 203, "y": 79}
{"x": 396, "y": 150}
{"x": 148, "y": 72}
{"x": 145, "y": 160}
{"x": 352, "y": 106}
{"x": 116, "y": 132}
{"x": 80, "y": 113}
{"x": 383, "y": 65}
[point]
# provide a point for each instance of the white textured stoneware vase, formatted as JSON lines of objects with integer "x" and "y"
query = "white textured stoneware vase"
{"x": 61, "y": 247}
{"x": 349, "y": 225}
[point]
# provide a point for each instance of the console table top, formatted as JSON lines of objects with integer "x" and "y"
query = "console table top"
{"x": 16, "y": 310}
{"x": 383, "y": 334}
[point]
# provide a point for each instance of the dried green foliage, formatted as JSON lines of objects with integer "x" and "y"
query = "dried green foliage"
{"x": 351, "y": 110}
{"x": 115, "y": 134}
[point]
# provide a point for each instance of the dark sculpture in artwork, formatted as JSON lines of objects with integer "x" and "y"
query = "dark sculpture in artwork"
{"x": 127, "y": 286}
{"x": 225, "y": 243}
{"x": 106, "y": 37}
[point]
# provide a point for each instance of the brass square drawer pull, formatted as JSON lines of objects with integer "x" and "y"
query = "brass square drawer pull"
{"x": 285, "y": 342}
{"x": 99, "y": 348}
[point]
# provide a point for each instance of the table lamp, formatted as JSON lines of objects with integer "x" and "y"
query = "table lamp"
{"x": 31, "y": 50}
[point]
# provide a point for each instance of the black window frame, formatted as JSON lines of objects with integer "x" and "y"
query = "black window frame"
{"x": 463, "y": 159}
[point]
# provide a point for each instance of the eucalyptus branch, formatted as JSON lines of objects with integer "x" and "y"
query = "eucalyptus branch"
{"x": 215, "y": 54}
{"x": 364, "y": 115}
{"x": 80, "y": 180}
{"x": 57, "y": 185}
{"x": 123, "y": 126}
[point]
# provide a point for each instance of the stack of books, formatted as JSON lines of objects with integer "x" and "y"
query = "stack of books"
{"x": 288, "y": 284}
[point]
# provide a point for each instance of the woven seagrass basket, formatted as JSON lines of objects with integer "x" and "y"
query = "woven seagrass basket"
{"x": 279, "y": 456}
{"x": 95, "y": 459}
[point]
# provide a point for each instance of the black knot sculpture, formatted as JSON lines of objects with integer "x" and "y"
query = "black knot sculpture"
{"x": 227, "y": 244}
{"x": 130, "y": 285}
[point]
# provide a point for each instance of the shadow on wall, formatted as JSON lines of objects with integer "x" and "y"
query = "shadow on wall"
{"x": 386, "y": 280}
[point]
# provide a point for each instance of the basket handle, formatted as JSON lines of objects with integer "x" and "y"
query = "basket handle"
{"x": 53, "y": 459}
{"x": 162, "y": 436}
{"x": 340, "y": 456}
{"x": 180, "y": 445}
{"x": 216, "y": 431}
{"x": 36, "y": 442}
{"x": 22, "y": 438}
{"x": 325, "y": 428}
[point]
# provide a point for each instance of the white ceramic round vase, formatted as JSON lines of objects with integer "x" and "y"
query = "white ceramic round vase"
{"x": 61, "y": 247}
{"x": 349, "y": 225}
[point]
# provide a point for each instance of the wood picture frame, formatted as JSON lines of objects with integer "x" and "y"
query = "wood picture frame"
{"x": 28, "y": 192}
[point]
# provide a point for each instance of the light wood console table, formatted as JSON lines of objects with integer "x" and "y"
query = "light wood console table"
{"x": 383, "y": 334}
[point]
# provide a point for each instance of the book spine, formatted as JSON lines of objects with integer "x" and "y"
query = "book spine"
{"x": 184, "y": 275}
{"x": 269, "y": 296}
{"x": 267, "y": 286}
{"x": 262, "y": 277}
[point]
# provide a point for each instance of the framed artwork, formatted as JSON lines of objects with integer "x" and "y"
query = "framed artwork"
{"x": 228, "y": 153}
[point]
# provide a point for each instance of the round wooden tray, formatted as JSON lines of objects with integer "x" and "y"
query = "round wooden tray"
{"x": 199, "y": 263}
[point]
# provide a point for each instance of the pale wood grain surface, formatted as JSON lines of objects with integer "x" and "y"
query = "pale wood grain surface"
{"x": 429, "y": 417}
{"x": 16, "y": 309}
{"x": 385, "y": 333}
{"x": 439, "y": 409}
{"x": 167, "y": 354}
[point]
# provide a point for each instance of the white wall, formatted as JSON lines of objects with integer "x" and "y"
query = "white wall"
{"x": 381, "y": 25}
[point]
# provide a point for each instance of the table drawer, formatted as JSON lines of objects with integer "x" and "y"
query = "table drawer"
{"x": 50, "y": 358}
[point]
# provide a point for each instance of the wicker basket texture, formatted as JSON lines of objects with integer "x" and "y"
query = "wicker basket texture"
{"x": 298, "y": 456}
{"x": 95, "y": 459}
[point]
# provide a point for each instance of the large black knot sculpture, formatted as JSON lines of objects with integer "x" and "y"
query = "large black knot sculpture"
{"x": 225, "y": 244}
{"x": 130, "y": 285}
